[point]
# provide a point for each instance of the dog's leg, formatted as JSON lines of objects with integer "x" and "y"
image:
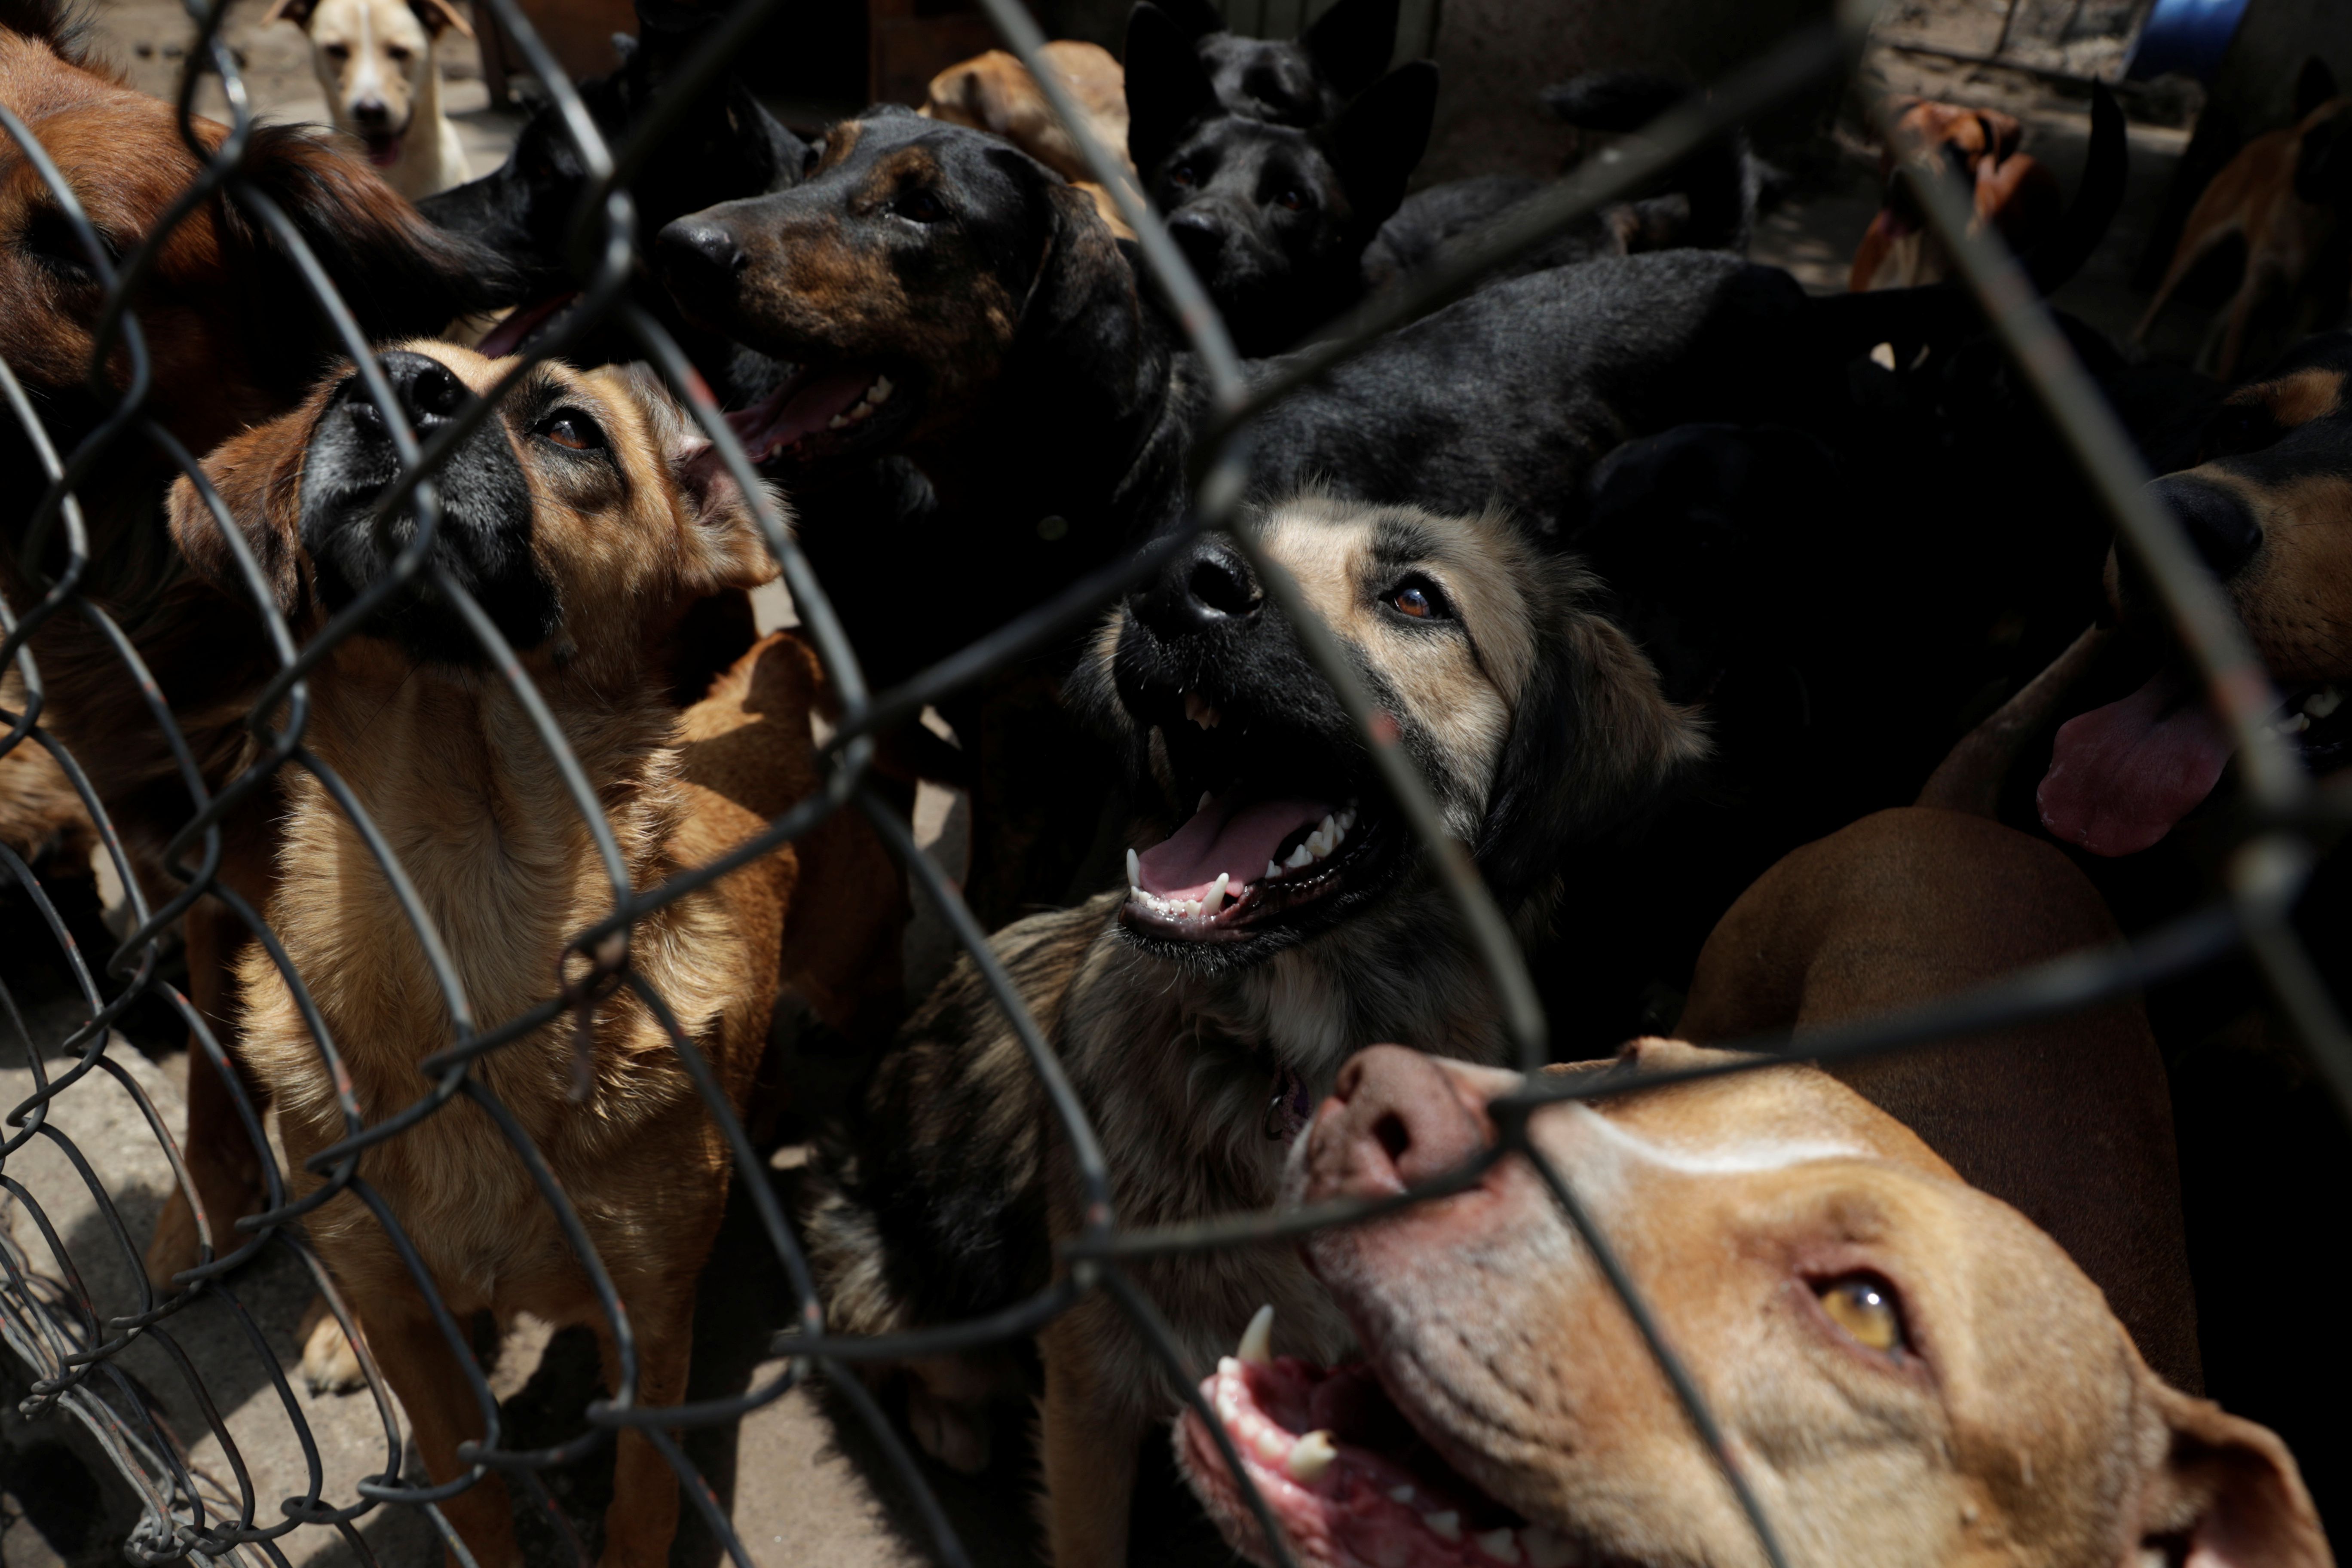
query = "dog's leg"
{"x": 222, "y": 1161}
{"x": 442, "y": 1413}
{"x": 643, "y": 1513}
{"x": 1091, "y": 1442}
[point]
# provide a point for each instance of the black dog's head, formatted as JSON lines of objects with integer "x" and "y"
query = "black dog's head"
{"x": 1534, "y": 723}
{"x": 902, "y": 273}
{"x": 1274, "y": 218}
{"x": 1302, "y": 82}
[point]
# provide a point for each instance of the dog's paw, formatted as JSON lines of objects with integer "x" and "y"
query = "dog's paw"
{"x": 955, "y": 1435}
{"x": 330, "y": 1363}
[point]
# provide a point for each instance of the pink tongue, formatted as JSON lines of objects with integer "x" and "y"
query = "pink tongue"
{"x": 1221, "y": 837}
{"x": 797, "y": 411}
{"x": 384, "y": 152}
{"x": 2122, "y": 776}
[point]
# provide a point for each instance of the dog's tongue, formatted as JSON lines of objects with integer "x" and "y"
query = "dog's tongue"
{"x": 2122, "y": 776}
{"x": 384, "y": 152}
{"x": 798, "y": 408}
{"x": 1236, "y": 837}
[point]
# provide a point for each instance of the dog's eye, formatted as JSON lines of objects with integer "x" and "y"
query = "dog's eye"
{"x": 399, "y": 54}
{"x": 570, "y": 429}
{"x": 50, "y": 241}
{"x": 336, "y": 51}
{"x": 1183, "y": 174}
{"x": 1291, "y": 199}
{"x": 2236, "y": 429}
{"x": 810, "y": 159}
{"x": 1422, "y": 599}
{"x": 920, "y": 207}
{"x": 1863, "y": 1306}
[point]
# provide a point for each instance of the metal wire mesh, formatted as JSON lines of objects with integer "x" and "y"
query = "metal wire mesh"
{"x": 52, "y": 1322}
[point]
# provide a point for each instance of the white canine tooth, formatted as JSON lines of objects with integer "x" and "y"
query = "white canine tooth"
{"x": 1272, "y": 870}
{"x": 1300, "y": 857}
{"x": 879, "y": 393}
{"x": 1309, "y": 1458}
{"x": 1204, "y": 803}
{"x": 836, "y": 422}
{"x": 1327, "y": 824}
{"x": 1446, "y": 1526}
{"x": 1216, "y": 899}
{"x": 2323, "y": 702}
{"x": 1399, "y": 1494}
{"x": 1546, "y": 1549}
{"x": 1497, "y": 1544}
{"x": 1257, "y": 1341}
{"x": 1134, "y": 870}
{"x": 2295, "y": 724}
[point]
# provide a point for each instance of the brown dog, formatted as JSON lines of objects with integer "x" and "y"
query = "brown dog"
{"x": 1905, "y": 1369}
{"x": 584, "y": 519}
{"x": 2015, "y": 195}
{"x": 994, "y": 92}
{"x": 2283, "y": 197}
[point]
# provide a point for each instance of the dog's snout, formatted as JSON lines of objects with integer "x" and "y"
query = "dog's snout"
{"x": 2218, "y": 521}
{"x": 699, "y": 258}
{"x": 1205, "y": 587}
{"x": 370, "y": 111}
{"x": 1393, "y": 1119}
{"x": 1199, "y": 237}
{"x": 428, "y": 391}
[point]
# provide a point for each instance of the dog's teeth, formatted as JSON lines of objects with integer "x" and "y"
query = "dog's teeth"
{"x": 838, "y": 422}
{"x": 1216, "y": 899}
{"x": 1256, "y": 1348}
{"x": 879, "y": 393}
{"x": 2323, "y": 702}
{"x": 1327, "y": 824}
{"x": 1497, "y": 1544}
{"x": 1300, "y": 857}
{"x": 2293, "y": 724}
{"x": 1200, "y": 712}
{"x": 1309, "y": 1458}
{"x": 1399, "y": 1494}
{"x": 1445, "y": 1526}
{"x": 1134, "y": 870}
{"x": 1546, "y": 1549}
{"x": 1272, "y": 870}
{"x": 1204, "y": 803}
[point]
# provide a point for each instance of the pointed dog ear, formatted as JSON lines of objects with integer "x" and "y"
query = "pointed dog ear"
{"x": 1352, "y": 42}
{"x": 1167, "y": 89}
{"x": 1378, "y": 139}
{"x": 2229, "y": 1489}
{"x": 439, "y": 16}
{"x": 256, "y": 476}
{"x": 298, "y": 12}
{"x": 725, "y": 547}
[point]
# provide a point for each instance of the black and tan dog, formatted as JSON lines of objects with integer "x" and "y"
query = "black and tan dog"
{"x": 1287, "y": 920}
{"x": 583, "y": 519}
{"x": 1302, "y": 82}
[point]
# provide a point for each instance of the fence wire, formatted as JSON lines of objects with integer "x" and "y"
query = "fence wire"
{"x": 50, "y": 1318}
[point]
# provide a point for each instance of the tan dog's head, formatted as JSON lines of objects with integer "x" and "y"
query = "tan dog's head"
{"x": 583, "y": 518}
{"x": 373, "y": 57}
{"x": 1906, "y": 1370}
{"x": 1533, "y": 719}
{"x": 2268, "y": 507}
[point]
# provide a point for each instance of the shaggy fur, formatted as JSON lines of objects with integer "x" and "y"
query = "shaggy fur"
{"x": 1536, "y": 725}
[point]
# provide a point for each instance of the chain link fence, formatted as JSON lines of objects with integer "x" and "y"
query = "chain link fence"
{"x": 74, "y": 1351}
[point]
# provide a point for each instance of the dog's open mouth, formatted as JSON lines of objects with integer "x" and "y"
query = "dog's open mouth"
{"x": 821, "y": 413}
{"x": 1278, "y": 834}
{"x": 384, "y": 147}
{"x": 1350, "y": 1481}
{"x": 2123, "y": 776}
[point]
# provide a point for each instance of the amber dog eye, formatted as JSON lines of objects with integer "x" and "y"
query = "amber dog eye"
{"x": 1419, "y": 597}
{"x": 1183, "y": 174}
{"x": 570, "y": 429}
{"x": 1863, "y": 1306}
{"x": 921, "y": 206}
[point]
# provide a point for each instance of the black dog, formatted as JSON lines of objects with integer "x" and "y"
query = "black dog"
{"x": 1274, "y": 218}
{"x": 1304, "y": 82}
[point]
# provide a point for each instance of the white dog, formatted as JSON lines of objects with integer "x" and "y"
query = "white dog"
{"x": 374, "y": 58}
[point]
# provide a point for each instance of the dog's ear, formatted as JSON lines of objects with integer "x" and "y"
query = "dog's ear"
{"x": 2229, "y": 1488}
{"x": 400, "y": 276}
{"x": 1351, "y": 43}
{"x": 65, "y": 28}
{"x": 1377, "y": 141}
{"x": 725, "y": 547}
{"x": 1167, "y": 89}
{"x": 439, "y": 16}
{"x": 1593, "y": 745}
{"x": 2314, "y": 86}
{"x": 298, "y": 12}
{"x": 1197, "y": 18}
{"x": 256, "y": 474}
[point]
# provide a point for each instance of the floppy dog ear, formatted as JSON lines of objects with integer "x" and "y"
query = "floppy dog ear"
{"x": 400, "y": 276}
{"x": 2229, "y": 1489}
{"x": 298, "y": 12}
{"x": 258, "y": 474}
{"x": 1351, "y": 43}
{"x": 1377, "y": 141}
{"x": 1593, "y": 741}
{"x": 439, "y": 16}
{"x": 1167, "y": 89}
{"x": 726, "y": 548}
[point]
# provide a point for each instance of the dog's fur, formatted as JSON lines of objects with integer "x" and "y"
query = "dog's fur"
{"x": 1195, "y": 1040}
{"x": 1904, "y": 1369}
{"x": 1303, "y": 81}
{"x": 584, "y": 519}
{"x": 1273, "y": 218}
{"x": 375, "y": 64}
{"x": 994, "y": 92}
{"x": 2285, "y": 199}
{"x": 2015, "y": 195}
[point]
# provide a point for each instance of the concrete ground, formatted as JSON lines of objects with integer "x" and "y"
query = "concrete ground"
{"x": 802, "y": 1480}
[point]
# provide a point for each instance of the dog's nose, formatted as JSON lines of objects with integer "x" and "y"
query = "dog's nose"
{"x": 1205, "y": 586}
{"x": 699, "y": 258}
{"x": 2218, "y": 521}
{"x": 426, "y": 390}
{"x": 370, "y": 111}
{"x": 1393, "y": 1119}
{"x": 1199, "y": 237}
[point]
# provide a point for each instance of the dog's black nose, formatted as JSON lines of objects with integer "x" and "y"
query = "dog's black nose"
{"x": 1199, "y": 237}
{"x": 370, "y": 111}
{"x": 1206, "y": 585}
{"x": 699, "y": 256}
{"x": 426, "y": 390}
{"x": 2218, "y": 522}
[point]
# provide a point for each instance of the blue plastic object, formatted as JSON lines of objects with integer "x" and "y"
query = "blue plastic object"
{"x": 2184, "y": 35}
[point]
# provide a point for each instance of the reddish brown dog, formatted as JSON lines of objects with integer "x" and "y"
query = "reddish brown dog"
{"x": 2015, "y": 195}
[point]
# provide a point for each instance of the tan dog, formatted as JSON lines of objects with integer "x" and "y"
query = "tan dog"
{"x": 2015, "y": 195}
{"x": 994, "y": 92}
{"x": 584, "y": 519}
{"x": 375, "y": 60}
{"x": 1906, "y": 1370}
